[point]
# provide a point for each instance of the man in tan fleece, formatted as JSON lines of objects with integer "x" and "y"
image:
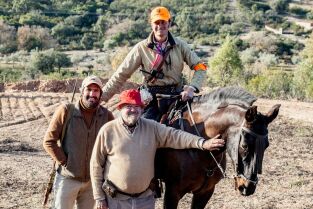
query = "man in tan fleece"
{"x": 72, "y": 184}
{"x": 124, "y": 152}
{"x": 162, "y": 58}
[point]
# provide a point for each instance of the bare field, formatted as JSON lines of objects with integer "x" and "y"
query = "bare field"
{"x": 286, "y": 182}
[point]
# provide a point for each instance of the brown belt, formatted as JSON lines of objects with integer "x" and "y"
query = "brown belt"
{"x": 131, "y": 195}
{"x": 111, "y": 190}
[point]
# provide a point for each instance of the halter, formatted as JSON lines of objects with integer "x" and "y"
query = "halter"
{"x": 242, "y": 129}
{"x": 257, "y": 137}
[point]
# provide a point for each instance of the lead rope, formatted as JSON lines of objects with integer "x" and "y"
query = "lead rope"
{"x": 194, "y": 124}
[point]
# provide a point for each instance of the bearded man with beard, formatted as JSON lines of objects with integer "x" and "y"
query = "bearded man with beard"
{"x": 122, "y": 161}
{"x": 72, "y": 184}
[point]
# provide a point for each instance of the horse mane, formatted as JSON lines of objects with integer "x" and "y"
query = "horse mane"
{"x": 226, "y": 96}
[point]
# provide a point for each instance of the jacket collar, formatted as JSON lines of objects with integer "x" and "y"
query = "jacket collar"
{"x": 150, "y": 42}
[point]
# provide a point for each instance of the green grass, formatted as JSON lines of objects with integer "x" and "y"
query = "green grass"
{"x": 10, "y": 75}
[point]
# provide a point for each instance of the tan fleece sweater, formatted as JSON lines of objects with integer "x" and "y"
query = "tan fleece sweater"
{"x": 143, "y": 54}
{"x": 128, "y": 159}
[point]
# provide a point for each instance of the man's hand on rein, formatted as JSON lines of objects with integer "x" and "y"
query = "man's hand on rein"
{"x": 187, "y": 93}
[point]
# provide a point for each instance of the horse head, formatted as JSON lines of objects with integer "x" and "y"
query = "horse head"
{"x": 246, "y": 145}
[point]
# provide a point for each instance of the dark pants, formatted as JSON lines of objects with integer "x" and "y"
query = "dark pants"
{"x": 158, "y": 107}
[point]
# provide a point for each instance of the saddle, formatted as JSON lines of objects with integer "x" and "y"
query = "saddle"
{"x": 174, "y": 115}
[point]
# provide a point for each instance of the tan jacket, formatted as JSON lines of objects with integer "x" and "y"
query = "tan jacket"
{"x": 142, "y": 55}
{"x": 78, "y": 140}
{"x": 128, "y": 159}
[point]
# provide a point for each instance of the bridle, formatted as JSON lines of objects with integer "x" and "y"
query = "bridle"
{"x": 243, "y": 130}
{"x": 257, "y": 137}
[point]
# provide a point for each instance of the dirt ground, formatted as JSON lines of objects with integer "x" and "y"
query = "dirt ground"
{"x": 286, "y": 182}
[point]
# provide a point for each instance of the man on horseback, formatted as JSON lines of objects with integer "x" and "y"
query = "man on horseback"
{"x": 161, "y": 58}
{"x": 122, "y": 162}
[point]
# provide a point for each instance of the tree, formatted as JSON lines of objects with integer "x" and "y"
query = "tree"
{"x": 8, "y": 42}
{"x": 42, "y": 61}
{"x": 33, "y": 37}
{"x": 186, "y": 21}
{"x": 61, "y": 60}
{"x": 101, "y": 26}
{"x": 63, "y": 32}
{"x": 226, "y": 66}
{"x": 35, "y": 18}
{"x": 24, "y": 6}
{"x": 87, "y": 40}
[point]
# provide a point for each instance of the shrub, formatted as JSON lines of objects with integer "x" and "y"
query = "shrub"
{"x": 303, "y": 80}
{"x": 46, "y": 61}
{"x": 309, "y": 15}
{"x": 33, "y": 37}
{"x": 10, "y": 75}
{"x": 63, "y": 32}
{"x": 268, "y": 59}
{"x": 279, "y": 5}
{"x": 249, "y": 56}
{"x": 8, "y": 48}
{"x": 118, "y": 57}
{"x": 8, "y": 42}
{"x": 298, "y": 11}
{"x": 226, "y": 66}
{"x": 41, "y": 61}
{"x": 262, "y": 42}
{"x": 36, "y": 19}
{"x": 87, "y": 41}
{"x": 271, "y": 84}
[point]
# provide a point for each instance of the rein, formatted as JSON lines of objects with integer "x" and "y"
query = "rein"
{"x": 242, "y": 129}
{"x": 165, "y": 96}
{"x": 218, "y": 164}
{"x": 198, "y": 133}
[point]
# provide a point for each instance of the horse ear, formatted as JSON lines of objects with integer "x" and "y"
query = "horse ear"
{"x": 272, "y": 114}
{"x": 251, "y": 114}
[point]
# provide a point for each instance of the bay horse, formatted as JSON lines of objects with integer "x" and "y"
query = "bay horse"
{"x": 229, "y": 113}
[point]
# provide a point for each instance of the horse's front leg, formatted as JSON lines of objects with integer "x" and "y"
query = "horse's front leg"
{"x": 200, "y": 200}
{"x": 171, "y": 197}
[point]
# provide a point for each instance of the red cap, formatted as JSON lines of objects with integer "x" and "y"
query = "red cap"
{"x": 131, "y": 96}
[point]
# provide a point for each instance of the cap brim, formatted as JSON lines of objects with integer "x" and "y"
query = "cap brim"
{"x": 159, "y": 18}
{"x": 121, "y": 104}
{"x": 87, "y": 84}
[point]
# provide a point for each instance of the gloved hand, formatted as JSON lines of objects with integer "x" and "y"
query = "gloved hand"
{"x": 187, "y": 93}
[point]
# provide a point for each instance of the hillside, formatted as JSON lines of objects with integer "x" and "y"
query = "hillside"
{"x": 66, "y": 39}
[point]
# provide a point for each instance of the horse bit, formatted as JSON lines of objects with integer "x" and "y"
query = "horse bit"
{"x": 242, "y": 129}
